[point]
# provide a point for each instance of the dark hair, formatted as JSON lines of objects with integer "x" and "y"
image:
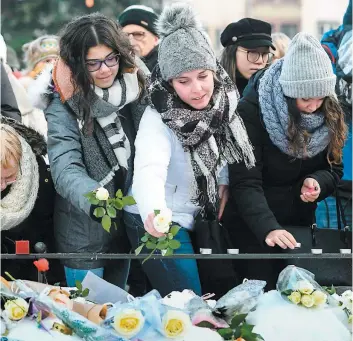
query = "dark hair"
{"x": 229, "y": 62}
{"x": 334, "y": 119}
{"x": 77, "y": 37}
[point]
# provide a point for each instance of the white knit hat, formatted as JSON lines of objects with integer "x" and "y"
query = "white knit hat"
{"x": 307, "y": 70}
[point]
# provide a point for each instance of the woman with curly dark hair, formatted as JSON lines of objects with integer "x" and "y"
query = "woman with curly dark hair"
{"x": 298, "y": 131}
{"x": 93, "y": 113}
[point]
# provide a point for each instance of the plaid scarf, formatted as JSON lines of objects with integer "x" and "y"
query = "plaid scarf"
{"x": 211, "y": 137}
{"x": 124, "y": 91}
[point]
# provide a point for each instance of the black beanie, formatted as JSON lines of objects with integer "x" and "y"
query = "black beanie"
{"x": 139, "y": 15}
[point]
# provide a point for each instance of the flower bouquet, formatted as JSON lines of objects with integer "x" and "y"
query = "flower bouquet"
{"x": 142, "y": 316}
{"x": 299, "y": 287}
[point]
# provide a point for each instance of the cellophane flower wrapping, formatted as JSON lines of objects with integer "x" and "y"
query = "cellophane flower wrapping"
{"x": 302, "y": 283}
{"x": 82, "y": 327}
{"x": 239, "y": 300}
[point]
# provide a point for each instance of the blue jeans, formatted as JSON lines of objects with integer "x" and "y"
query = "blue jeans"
{"x": 73, "y": 275}
{"x": 166, "y": 275}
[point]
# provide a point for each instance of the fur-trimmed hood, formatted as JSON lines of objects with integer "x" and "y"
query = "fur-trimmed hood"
{"x": 32, "y": 137}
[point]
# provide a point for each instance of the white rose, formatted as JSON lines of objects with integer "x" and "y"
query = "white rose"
{"x": 307, "y": 301}
{"x": 319, "y": 297}
{"x": 176, "y": 324}
{"x": 163, "y": 221}
{"x": 129, "y": 322}
{"x": 16, "y": 309}
{"x": 305, "y": 287}
{"x": 102, "y": 194}
{"x": 347, "y": 300}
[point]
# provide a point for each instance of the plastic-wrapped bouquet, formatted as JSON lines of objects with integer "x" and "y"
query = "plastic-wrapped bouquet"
{"x": 299, "y": 287}
{"x": 136, "y": 319}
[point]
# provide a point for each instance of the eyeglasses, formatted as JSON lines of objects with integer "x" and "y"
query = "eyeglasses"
{"x": 138, "y": 35}
{"x": 95, "y": 64}
{"x": 254, "y": 56}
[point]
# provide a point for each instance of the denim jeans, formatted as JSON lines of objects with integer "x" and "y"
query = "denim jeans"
{"x": 166, "y": 275}
{"x": 73, "y": 275}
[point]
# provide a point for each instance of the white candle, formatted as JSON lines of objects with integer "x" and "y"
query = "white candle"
{"x": 344, "y": 251}
{"x": 233, "y": 251}
{"x": 298, "y": 245}
{"x": 316, "y": 251}
{"x": 205, "y": 251}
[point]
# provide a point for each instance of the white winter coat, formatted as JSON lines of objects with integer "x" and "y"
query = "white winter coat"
{"x": 163, "y": 172}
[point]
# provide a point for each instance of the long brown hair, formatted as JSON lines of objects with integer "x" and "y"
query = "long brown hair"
{"x": 334, "y": 120}
{"x": 229, "y": 62}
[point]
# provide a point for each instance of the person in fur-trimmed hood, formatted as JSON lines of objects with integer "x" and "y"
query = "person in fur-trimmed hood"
{"x": 27, "y": 194}
{"x": 187, "y": 135}
{"x": 297, "y": 128}
{"x": 92, "y": 115}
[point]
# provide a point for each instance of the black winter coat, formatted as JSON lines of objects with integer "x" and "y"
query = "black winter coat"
{"x": 267, "y": 197}
{"x": 38, "y": 226}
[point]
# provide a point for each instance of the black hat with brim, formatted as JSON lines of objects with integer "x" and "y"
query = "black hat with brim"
{"x": 249, "y": 33}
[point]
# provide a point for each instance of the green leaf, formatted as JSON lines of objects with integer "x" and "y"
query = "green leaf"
{"x": 99, "y": 212}
{"x": 174, "y": 230}
{"x": 118, "y": 204}
{"x": 85, "y": 292}
{"x": 237, "y": 320}
{"x": 119, "y": 194}
{"x": 151, "y": 245}
{"x": 331, "y": 290}
{"x": 162, "y": 245}
{"x": 162, "y": 238}
{"x": 205, "y": 324}
{"x": 102, "y": 203}
{"x": 106, "y": 223}
{"x": 226, "y": 333}
{"x": 170, "y": 236}
{"x": 78, "y": 285}
{"x": 156, "y": 212}
{"x": 90, "y": 195}
{"x": 111, "y": 212}
{"x": 174, "y": 244}
{"x": 144, "y": 239}
{"x": 169, "y": 252}
{"x": 93, "y": 201}
{"x": 128, "y": 201}
{"x": 287, "y": 292}
{"x": 247, "y": 327}
{"x": 139, "y": 249}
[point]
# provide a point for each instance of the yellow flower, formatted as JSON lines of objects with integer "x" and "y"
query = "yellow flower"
{"x": 16, "y": 309}
{"x": 129, "y": 322}
{"x": 295, "y": 297}
{"x": 307, "y": 301}
{"x": 175, "y": 324}
{"x": 102, "y": 194}
{"x": 305, "y": 287}
{"x": 163, "y": 221}
{"x": 319, "y": 297}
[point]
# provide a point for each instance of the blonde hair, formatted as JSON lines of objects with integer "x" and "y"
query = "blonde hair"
{"x": 11, "y": 148}
{"x": 281, "y": 42}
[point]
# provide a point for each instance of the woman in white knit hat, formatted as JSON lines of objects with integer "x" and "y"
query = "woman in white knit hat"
{"x": 297, "y": 129}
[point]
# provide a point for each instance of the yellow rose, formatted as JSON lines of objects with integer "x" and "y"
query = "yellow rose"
{"x": 305, "y": 287}
{"x": 16, "y": 309}
{"x": 175, "y": 324}
{"x": 102, "y": 194}
{"x": 307, "y": 301}
{"x": 129, "y": 322}
{"x": 319, "y": 297}
{"x": 295, "y": 297}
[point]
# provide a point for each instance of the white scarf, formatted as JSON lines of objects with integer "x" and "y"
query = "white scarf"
{"x": 17, "y": 205}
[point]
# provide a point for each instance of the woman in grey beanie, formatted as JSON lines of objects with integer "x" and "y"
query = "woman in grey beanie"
{"x": 297, "y": 128}
{"x": 187, "y": 135}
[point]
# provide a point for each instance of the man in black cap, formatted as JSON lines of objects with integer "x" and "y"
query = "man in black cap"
{"x": 138, "y": 22}
{"x": 247, "y": 45}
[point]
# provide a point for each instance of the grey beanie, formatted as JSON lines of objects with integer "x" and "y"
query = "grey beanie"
{"x": 307, "y": 70}
{"x": 184, "y": 45}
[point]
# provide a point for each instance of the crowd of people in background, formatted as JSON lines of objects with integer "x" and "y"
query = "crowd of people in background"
{"x": 254, "y": 139}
